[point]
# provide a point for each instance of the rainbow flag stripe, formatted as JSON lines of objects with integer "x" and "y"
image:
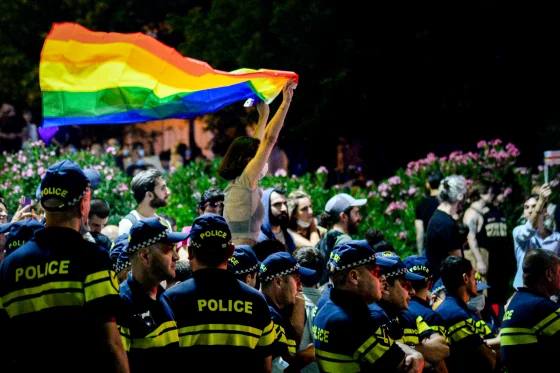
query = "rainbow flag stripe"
{"x": 89, "y": 77}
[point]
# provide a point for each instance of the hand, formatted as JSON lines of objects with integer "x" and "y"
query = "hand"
{"x": 307, "y": 354}
{"x": 545, "y": 192}
{"x": 481, "y": 267}
{"x": 414, "y": 363}
{"x": 23, "y": 213}
{"x": 263, "y": 109}
{"x": 288, "y": 91}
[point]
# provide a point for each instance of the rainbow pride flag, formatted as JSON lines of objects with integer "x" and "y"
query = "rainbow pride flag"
{"x": 91, "y": 77}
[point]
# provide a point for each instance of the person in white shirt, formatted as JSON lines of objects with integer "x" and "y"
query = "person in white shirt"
{"x": 151, "y": 192}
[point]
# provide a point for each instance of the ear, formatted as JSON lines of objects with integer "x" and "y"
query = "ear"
{"x": 144, "y": 255}
{"x": 190, "y": 253}
{"x": 548, "y": 275}
{"x": 353, "y": 276}
{"x": 465, "y": 278}
{"x": 85, "y": 204}
{"x": 277, "y": 282}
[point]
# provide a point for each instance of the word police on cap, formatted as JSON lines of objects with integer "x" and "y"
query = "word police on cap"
{"x": 54, "y": 191}
{"x": 214, "y": 233}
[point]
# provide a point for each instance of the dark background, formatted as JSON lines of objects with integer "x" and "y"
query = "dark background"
{"x": 400, "y": 79}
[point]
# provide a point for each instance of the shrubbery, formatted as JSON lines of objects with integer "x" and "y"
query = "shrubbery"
{"x": 390, "y": 206}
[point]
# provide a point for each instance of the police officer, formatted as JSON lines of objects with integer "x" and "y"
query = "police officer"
{"x": 59, "y": 290}
{"x": 531, "y": 325}
{"x": 18, "y": 233}
{"x": 222, "y": 322}
{"x": 346, "y": 336}
{"x": 149, "y": 334}
{"x": 244, "y": 265}
{"x": 468, "y": 335}
{"x": 280, "y": 283}
{"x": 120, "y": 258}
{"x": 420, "y": 302}
{"x": 413, "y": 330}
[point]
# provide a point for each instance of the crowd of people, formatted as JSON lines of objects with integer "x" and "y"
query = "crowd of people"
{"x": 260, "y": 283}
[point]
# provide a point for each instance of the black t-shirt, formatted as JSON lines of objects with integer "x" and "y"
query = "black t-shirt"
{"x": 12, "y": 124}
{"x": 425, "y": 209}
{"x": 442, "y": 237}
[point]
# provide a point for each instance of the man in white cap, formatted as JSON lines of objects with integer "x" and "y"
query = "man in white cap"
{"x": 342, "y": 218}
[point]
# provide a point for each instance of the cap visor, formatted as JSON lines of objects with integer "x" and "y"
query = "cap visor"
{"x": 359, "y": 202}
{"x": 482, "y": 286}
{"x": 413, "y": 277}
{"x": 173, "y": 237}
{"x": 93, "y": 176}
{"x": 306, "y": 271}
{"x": 385, "y": 262}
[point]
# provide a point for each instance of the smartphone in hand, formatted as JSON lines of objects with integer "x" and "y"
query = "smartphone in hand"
{"x": 25, "y": 201}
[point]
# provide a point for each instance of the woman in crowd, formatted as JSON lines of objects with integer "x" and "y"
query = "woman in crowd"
{"x": 302, "y": 224}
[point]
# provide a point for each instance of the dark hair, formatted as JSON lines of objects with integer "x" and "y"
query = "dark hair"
{"x": 183, "y": 270}
{"x": 211, "y": 255}
{"x": 535, "y": 264}
{"x": 211, "y": 194}
{"x": 237, "y": 157}
{"x": 434, "y": 178}
{"x": 477, "y": 189}
{"x": 165, "y": 155}
{"x": 312, "y": 258}
{"x": 327, "y": 220}
{"x": 99, "y": 208}
{"x": 266, "y": 247}
{"x": 144, "y": 182}
{"x": 138, "y": 144}
{"x": 375, "y": 239}
{"x": 452, "y": 269}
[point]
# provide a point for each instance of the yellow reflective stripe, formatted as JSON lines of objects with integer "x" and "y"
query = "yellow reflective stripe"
{"x": 421, "y": 325}
{"x": 410, "y": 336}
{"x": 374, "y": 347}
{"x": 550, "y": 325}
{"x": 101, "y": 284}
{"x": 291, "y": 346}
{"x": 268, "y": 336}
{"x": 331, "y": 362}
{"x": 482, "y": 329}
{"x": 165, "y": 334}
{"x": 517, "y": 336}
{"x": 280, "y": 334}
{"x": 52, "y": 294}
{"x": 219, "y": 334}
{"x": 439, "y": 329}
{"x": 125, "y": 337}
{"x": 460, "y": 330}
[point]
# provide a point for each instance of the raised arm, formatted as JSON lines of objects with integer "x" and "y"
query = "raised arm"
{"x": 270, "y": 137}
{"x": 264, "y": 112}
{"x": 537, "y": 215}
{"x": 419, "y": 225}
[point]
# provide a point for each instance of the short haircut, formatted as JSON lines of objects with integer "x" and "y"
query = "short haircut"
{"x": 338, "y": 278}
{"x": 535, "y": 265}
{"x": 210, "y": 255}
{"x": 211, "y": 194}
{"x": 183, "y": 270}
{"x": 266, "y": 247}
{"x": 99, "y": 208}
{"x": 477, "y": 189}
{"x": 451, "y": 188}
{"x": 434, "y": 179}
{"x": 452, "y": 269}
{"x": 144, "y": 182}
{"x": 310, "y": 257}
{"x": 375, "y": 239}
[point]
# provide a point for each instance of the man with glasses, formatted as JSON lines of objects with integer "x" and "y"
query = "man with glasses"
{"x": 346, "y": 336}
{"x": 405, "y": 326}
{"x": 212, "y": 201}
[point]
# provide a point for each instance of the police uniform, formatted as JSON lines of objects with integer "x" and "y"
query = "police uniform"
{"x": 530, "y": 333}
{"x": 55, "y": 289}
{"x": 222, "y": 322}
{"x": 18, "y": 233}
{"x": 149, "y": 334}
{"x": 275, "y": 265}
{"x": 465, "y": 330}
{"x": 346, "y": 336}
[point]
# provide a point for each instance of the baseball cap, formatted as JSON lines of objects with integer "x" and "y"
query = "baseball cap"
{"x": 398, "y": 269}
{"x": 418, "y": 264}
{"x": 119, "y": 254}
{"x": 19, "y": 233}
{"x": 244, "y": 260}
{"x": 281, "y": 264}
{"x": 438, "y": 286}
{"x": 66, "y": 182}
{"x": 353, "y": 254}
{"x": 480, "y": 285}
{"x": 342, "y": 201}
{"x": 211, "y": 231}
{"x": 150, "y": 231}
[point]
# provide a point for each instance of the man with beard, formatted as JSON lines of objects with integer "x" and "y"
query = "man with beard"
{"x": 276, "y": 218}
{"x": 151, "y": 192}
{"x": 98, "y": 217}
{"x": 341, "y": 217}
{"x": 148, "y": 333}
